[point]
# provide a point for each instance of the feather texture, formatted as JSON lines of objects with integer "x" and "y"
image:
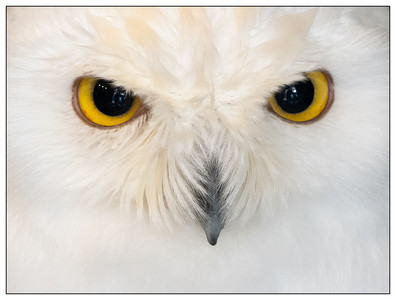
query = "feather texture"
{"x": 304, "y": 207}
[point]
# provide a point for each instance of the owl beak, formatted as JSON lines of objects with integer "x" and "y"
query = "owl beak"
{"x": 212, "y": 223}
{"x": 211, "y": 204}
{"x": 212, "y": 228}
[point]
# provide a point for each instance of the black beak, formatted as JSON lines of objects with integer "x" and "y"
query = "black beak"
{"x": 212, "y": 228}
{"x": 211, "y": 203}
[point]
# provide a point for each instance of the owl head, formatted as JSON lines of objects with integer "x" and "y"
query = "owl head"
{"x": 202, "y": 116}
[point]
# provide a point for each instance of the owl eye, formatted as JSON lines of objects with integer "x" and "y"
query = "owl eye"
{"x": 100, "y": 102}
{"x": 305, "y": 100}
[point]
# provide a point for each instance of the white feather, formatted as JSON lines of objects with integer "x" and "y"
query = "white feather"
{"x": 306, "y": 207}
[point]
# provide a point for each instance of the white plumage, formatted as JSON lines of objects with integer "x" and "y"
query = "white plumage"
{"x": 304, "y": 206}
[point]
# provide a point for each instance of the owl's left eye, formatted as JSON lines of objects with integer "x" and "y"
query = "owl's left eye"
{"x": 305, "y": 100}
{"x": 100, "y": 102}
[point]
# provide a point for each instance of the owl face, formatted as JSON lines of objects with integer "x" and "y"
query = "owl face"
{"x": 195, "y": 115}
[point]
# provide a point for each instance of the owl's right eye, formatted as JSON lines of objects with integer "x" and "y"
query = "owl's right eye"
{"x": 100, "y": 102}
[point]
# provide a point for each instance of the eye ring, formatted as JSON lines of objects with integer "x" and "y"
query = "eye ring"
{"x": 86, "y": 108}
{"x": 323, "y": 99}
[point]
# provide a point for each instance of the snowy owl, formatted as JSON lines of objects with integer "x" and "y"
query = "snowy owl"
{"x": 197, "y": 149}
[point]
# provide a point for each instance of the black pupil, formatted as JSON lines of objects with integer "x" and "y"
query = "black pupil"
{"x": 111, "y": 100}
{"x": 295, "y": 98}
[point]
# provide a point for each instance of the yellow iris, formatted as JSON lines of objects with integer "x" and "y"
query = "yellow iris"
{"x": 316, "y": 107}
{"x": 90, "y": 110}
